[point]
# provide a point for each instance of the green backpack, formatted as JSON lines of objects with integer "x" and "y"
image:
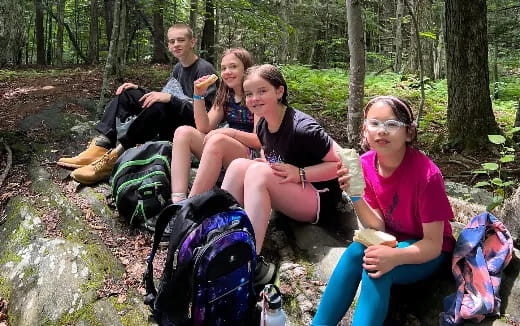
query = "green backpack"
{"x": 140, "y": 182}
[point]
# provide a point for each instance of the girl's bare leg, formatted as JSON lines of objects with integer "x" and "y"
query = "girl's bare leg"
{"x": 220, "y": 150}
{"x": 186, "y": 140}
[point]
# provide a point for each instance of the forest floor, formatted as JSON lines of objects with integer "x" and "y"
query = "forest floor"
{"x": 27, "y": 93}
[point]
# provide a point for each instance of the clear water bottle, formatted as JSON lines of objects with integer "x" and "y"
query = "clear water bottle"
{"x": 350, "y": 159}
{"x": 272, "y": 313}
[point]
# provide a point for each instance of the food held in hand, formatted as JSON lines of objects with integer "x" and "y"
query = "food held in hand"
{"x": 208, "y": 81}
{"x": 350, "y": 159}
{"x": 370, "y": 237}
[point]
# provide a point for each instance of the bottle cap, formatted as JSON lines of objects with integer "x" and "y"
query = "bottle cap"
{"x": 273, "y": 299}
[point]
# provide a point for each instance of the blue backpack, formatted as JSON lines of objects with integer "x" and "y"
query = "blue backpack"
{"x": 209, "y": 271}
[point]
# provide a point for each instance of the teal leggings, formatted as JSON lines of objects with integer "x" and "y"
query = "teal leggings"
{"x": 372, "y": 304}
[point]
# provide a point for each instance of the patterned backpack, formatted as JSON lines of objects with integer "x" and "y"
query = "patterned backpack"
{"x": 209, "y": 271}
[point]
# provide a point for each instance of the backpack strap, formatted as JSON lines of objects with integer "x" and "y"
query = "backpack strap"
{"x": 162, "y": 221}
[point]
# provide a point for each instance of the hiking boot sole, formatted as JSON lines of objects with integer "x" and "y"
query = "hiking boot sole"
{"x": 70, "y": 165}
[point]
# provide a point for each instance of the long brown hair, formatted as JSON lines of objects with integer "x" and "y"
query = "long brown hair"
{"x": 223, "y": 90}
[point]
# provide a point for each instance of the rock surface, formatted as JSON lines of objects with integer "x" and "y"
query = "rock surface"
{"x": 63, "y": 249}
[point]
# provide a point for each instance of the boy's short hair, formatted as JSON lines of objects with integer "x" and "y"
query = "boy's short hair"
{"x": 189, "y": 31}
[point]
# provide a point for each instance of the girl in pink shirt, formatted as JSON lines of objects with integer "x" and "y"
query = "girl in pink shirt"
{"x": 404, "y": 196}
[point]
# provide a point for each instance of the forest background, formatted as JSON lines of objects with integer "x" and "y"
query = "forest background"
{"x": 456, "y": 61}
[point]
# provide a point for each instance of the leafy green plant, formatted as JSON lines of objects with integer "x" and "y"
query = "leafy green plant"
{"x": 494, "y": 170}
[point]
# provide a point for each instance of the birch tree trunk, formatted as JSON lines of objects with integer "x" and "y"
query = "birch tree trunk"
{"x": 357, "y": 71}
{"x": 399, "y": 12}
{"x": 111, "y": 62}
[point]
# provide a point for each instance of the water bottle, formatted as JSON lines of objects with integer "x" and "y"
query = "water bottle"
{"x": 272, "y": 313}
{"x": 350, "y": 159}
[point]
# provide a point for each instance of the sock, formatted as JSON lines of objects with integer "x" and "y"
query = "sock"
{"x": 103, "y": 141}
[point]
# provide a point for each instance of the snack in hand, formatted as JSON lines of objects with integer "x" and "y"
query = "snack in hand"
{"x": 370, "y": 237}
{"x": 208, "y": 81}
{"x": 350, "y": 159}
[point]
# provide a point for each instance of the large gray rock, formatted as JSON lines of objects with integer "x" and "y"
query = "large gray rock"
{"x": 53, "y": 278}
{"x": 509, "y": 213}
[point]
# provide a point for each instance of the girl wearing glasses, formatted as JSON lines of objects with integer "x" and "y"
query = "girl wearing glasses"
{"x": 404, "y": 196}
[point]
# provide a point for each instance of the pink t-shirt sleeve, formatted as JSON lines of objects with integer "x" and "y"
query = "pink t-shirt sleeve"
{"x": 433, "y": 201}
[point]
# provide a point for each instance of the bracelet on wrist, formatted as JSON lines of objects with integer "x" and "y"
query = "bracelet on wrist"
{"x": 303, "y": 178}
{"x": 197, "y": 97}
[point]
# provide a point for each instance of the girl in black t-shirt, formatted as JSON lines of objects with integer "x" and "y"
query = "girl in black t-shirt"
{"x": 296, "y": 174}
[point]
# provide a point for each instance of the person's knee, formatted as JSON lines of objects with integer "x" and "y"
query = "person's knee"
{"x": 258, "y": 173}
{"x": 354, "y": 253}
{"x": 216, "y": 144}
{"x": 183, "y": 133}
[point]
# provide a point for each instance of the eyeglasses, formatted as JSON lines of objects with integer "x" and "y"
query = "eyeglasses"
{"x": 390, "y": 126}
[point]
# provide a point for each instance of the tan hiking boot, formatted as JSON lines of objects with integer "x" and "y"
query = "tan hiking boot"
{"x": 98, "y": 170}
{"x": 91, "y": 154}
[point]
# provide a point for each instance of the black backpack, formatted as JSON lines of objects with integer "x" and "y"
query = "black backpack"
{"x": 209, "y": 271}
{"x": 140, "y": 182}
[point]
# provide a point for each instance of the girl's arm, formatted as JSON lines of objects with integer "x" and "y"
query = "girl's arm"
{"x": 426, "y": 249}
{"x": 205, "y": 121}
{"x": 249, "y": 139}
{"x": 368, "y": 216}
{"x": 326, "y": 170}
{"x": 380, "y": 259}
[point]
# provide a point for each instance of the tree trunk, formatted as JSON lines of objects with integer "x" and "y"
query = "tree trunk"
{"x": 40, "y": 41}
{"x": 13, "y": 34}
{"x": 399, "y": 12}
{"x": 159, "y": 51}
{"x": 439, "y": 68}
{"x": 111, "y": 62}
{"x": 122, "y": 42}
{"x": 109, "y": 17}
{"x": 516, "y": 135}
{"x": 194, "y": 7}
{"x": 49, "y": 37}
{"x": 419, "y": 56}
{"x": 93, "y": 41}
{"x": 72, "y": 38}
{"x": 283, "y": 47}
{"x": 470, "y": 117}
{"x": 208, "y": 33}
{"x": 59, "y": 33}
{"x": 357, "y": 71}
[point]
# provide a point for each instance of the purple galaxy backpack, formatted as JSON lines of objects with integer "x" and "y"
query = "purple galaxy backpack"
{"x": 209, "y": 271}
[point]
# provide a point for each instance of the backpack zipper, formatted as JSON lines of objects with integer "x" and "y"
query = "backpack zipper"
{"x": 130, "y": 182}
{"x": 142, "y": 162}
